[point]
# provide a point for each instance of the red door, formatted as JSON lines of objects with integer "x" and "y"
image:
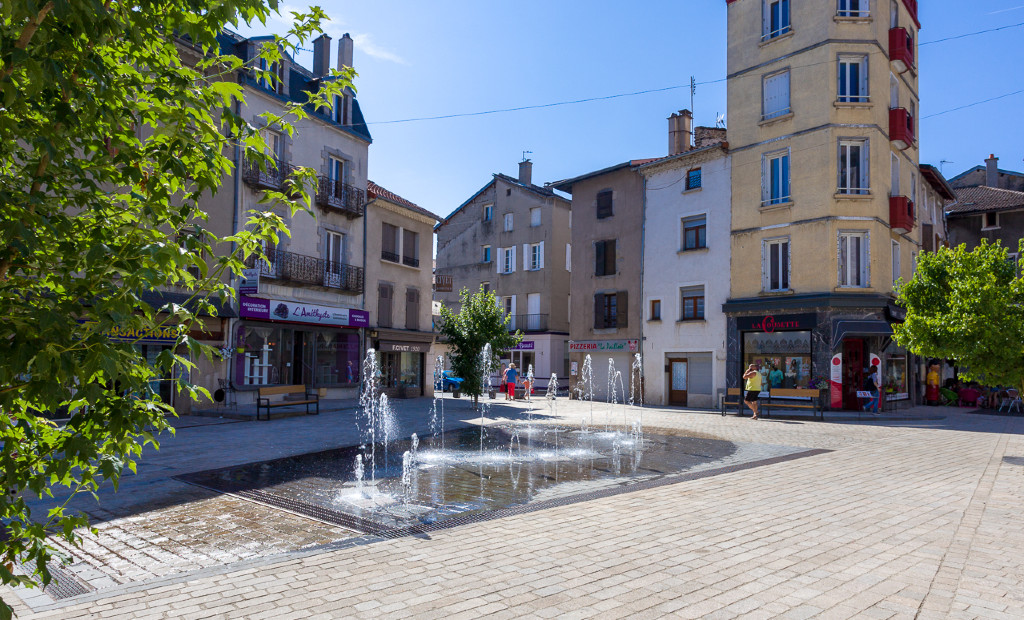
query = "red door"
{"x": 853, "y": 372}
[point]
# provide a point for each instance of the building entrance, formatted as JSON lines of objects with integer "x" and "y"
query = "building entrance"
{"x": 853, "y": 372}
{"x": 677, "y": 381}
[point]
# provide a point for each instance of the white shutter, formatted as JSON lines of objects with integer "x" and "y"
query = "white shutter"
{"x": 541, "y": 255}
{"x": 765, "y": 266}
{"x": 765, "y": 21}
{"x": 865, "y": 165}
{"x": 863, "y": 79}
{"x": 513, "y": 298}
{"x": 526, "y": 257}
{"x": 513, "y": 250}
{"x": 568, "y": 257}
{"x": 500, "y": 259}
{"x": 764, "y": 179}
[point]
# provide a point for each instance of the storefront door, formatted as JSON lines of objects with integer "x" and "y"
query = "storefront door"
{"x": 677, "y": 381}
{"x": 853, "y": 372}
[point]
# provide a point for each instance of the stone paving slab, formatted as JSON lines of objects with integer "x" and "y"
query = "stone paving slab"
{"x": 909, "y": 517}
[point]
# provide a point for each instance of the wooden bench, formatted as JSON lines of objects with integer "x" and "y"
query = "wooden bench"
{"x": 794, "y": 398}
{"x": 733, "y": 396}
{"x": 263, "y": 401}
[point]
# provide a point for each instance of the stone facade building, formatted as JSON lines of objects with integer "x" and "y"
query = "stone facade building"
{"x": 987, "y": 210}
{"x": 511, "y": 237}
{"x": 823, "y": 101}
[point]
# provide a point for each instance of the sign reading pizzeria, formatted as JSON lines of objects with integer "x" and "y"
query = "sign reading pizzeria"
{"x": 777, "y": 323}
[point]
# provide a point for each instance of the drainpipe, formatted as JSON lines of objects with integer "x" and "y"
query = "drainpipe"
{"x": 366, "y": 214}
{"x": 643, "y": 245}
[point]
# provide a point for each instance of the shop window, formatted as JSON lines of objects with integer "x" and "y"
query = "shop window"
{"x": 274, "y": 355}
{"x": 784, "y": 357}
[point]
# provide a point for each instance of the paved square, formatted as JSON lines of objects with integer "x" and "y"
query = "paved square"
{"x": 915, "y": 515}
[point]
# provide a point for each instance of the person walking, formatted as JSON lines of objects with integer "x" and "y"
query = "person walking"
{"x": 752, "y": 388}
{"x": 504, "y": 378}
{"x": 510, "y": 381}
{"x": 872, "y": 384}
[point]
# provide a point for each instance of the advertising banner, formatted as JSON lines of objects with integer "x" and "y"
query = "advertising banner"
{"x": 591, "y": 346}
{"x": 526, "y": 345}
{"x": 250, "y": 284}
{"x": 281, "y": 310}
{"x": 836, "y": 381}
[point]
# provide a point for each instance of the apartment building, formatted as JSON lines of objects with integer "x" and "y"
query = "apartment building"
{"x": 301, "y": 311}
{"x": 607, "y": 251}
{"x": 987, "y": 208}
{"x": 399, "y": 246}
{"x": 823, "y": 101}
{"x": 685, "y": 270}
{"x": 511, "y": 237}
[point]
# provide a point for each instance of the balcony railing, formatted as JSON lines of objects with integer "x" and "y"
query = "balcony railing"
{"x": 901, "y": 128}
{"x": 333, "y": 194}
{"x": 272, "y": 178}
{"x": 901, "y": 214}
{"x": 390, "y": 256}
{"x": 302, "y": 269}
{"x": 411, "y": 261}
{"x": 528, "y": 323}
{"x": 901, "y": 49}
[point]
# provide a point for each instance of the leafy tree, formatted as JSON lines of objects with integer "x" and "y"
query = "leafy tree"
{"x": 480, "y": 321}
{"x": 117, "y": 121}
{"x": 966, "y": 305}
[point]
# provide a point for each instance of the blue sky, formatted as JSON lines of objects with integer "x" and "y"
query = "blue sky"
{"x": 418, "y": 59}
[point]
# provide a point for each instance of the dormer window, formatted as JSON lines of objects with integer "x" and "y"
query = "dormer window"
{"x": 339, "y": 111}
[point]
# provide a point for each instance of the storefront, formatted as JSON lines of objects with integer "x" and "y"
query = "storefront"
{"x": 402, "y": 357}
{"x": 606, "y": 357}
{"x": 280, "y": 342}
{"x": 782, "y": 345}
{"x": 522, "y": 355}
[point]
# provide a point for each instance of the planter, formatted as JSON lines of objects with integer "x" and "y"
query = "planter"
{"x": 456, "y": 393}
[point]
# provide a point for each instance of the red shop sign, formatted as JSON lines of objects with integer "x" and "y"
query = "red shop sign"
{"x": 777, "y": 323}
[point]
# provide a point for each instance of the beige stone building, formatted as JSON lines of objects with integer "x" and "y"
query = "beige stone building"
{"x": 512, "y": 238}
{"x": 399, "y": 246}
{"x": 823, "y": 100}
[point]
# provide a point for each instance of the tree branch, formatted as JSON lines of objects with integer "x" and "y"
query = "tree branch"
{"x": 30, "y": 31}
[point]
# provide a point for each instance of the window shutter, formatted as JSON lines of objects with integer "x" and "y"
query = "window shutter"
{"x": 513, "y": 250}
{"x": 513, "y": 311}
{"x": 784, "y": 171}
{"x": 764, "y": 179}
{"x": 598, "y": 311}
{"x": 765, "y": 265}
{"x": 412, "y": 307}
{"x": 526, "y": 257}
{"x": 865, "y": 165}
{"x": 863, "y": 79}
{"x": 568, "y": 257}
{"x": 622, "y": 309}
{"x": 541, "y": 265}
{"x": 765, "y": 21}
{"x": 609, "y": 257}
{"x": 599, "y": 250}
{"x": 384, "y": 305}
{"x": 500, "y": 260}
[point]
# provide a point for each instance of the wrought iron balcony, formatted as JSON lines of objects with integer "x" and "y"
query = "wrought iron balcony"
{"x": 528, "y": 323}
{"x": 333, "y": 194}
{"x": 901, "y": 49}
{"x": 901, "y": 214}
{"x": 901, "y": 128}
{"x": 273, "y": 178}
{"x": 411, "y": 261}
{"x": 389, "y": 256}
{"x": 302, "y": 269}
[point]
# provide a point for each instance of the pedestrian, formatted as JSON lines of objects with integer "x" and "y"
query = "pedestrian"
{"x": 510, "y": 381}
{"x": 752, "y": 388}
{"x": 528, "y": 384}
{"x": 931, "y": 392}
{"x": 504, "y": 378}
{"x": 872, "y": 385}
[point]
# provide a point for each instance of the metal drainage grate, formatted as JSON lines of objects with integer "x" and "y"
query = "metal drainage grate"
{"x": 373, "y": 529}
{"x": 63, "y": 584}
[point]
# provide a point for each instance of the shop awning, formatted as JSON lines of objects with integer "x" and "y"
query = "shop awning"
{"x": 864, "y": 327}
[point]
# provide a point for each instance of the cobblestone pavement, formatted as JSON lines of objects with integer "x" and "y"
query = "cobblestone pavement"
{"x": 915, "y": 515}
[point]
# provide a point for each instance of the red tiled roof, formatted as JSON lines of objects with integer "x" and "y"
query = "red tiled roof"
{"x": 376, "y": 191}
{"x": 981, "y": 198}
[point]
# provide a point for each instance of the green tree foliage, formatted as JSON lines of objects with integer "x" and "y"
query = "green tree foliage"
{"x": 116, "y": 121}
{"x": 479, "y": 322}
{"x": 965, "y": 305}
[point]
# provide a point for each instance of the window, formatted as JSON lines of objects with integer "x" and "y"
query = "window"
{"x": 604, "y": 204}
{"x": 508, "y": 260}
{"x": 853, "y": 8}
{"x": 895, "y": 261}
{"x": 385, "y": 292}
{"x": 535, "y": 216}
{"x": 536, "y": 257}
{"x": 894, "y": 92}
{"x": 853, "y": 259}
{"x": 486, "y": 256}
{"x": 338, "y": 110}
{"x": 412, "y": 309}
{"x": 410, "y": 248}
{"x": 693, "y": 179}
{"x": 335, "y": 253}
{"x": 488, "y": 212}
{"x": 508, "y": 222}
{"x": 853, "y": 78}
{"x": 775, "y": 18}
{"x": 775, "y": 264}
{"x": 508, "y": 304}
{"x": 604, "y": 258}
{"x": 775, "y": 177}
{"x": 336, "y": 169}
{"x": 913, "y": 188}
{"x": 853, "y": 167}
{"x": 606, "y": 310}
{"x": 692, "y": 303}
{"x": 389, "y": 242}
{"x": 695, "y": 232}
{"x": 485, "y": 287}
{"x": 655, "y": 309}
{"x": 894, "y": 172}
{"x": 775, "y": 93}
{"x": 274, "y": 143}
{"x": 989, "y": 221}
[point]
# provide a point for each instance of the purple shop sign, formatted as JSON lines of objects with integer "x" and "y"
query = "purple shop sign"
{"x": 280, "y": 310}
{"x": 526, "y": 345}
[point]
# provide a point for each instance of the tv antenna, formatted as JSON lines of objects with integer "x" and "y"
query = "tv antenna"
{"x": 525, "y": 153}
{"x": 720, "y": 120}
{"x": 943, "y": 162}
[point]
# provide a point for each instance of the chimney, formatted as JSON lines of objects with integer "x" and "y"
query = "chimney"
{"x": 321, "y": 56}
{"x": 344, "y": 52}
{"x": 679, "y": 132}
{"x": 526, "y": 172}
{"x": 992, "y": 171}
{"x": 707, "y": 136}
